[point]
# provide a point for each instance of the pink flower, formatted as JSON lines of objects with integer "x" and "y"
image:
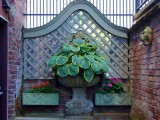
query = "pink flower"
{"x": 113, "y": 80}
{"x": 119, "y": 80}
{"x": 110, "y": 85}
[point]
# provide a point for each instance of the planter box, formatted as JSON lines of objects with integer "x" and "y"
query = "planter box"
{"x": 40, "y": 98}
{"x": 112, "y": 99}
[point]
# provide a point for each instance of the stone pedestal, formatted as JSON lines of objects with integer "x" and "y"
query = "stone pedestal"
{"x": 79, "y": 105}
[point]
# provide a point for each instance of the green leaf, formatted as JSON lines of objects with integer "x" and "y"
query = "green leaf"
{"x": 83, "y": 62}
{"x": 61, "y": 60}
{"x": 99, "y": 58}
{"x": 96, "y": 66}
{"x": 52, "y": 61}
{"x": 66, "y": 48}
{"x": 70, "y": 54}
{"x": 90, "y": 58}
{"x": 88, "y": 74}
{"x": 93, "y": 43}
{"x": 75, "y": 49}
{"x": 78, "y": 41}
{"x": 74, "y": 60}
{"x": 102, "y": 59}
{"x": 62, "y": 71}
{"x": 85, "y": 48}
{"x": 73, "y": 69}
{"x": 91, "y": 53}
{"x": 105, "y": 66}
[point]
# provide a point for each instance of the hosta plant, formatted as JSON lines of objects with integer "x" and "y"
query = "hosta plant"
{"x": 80, "y": 57}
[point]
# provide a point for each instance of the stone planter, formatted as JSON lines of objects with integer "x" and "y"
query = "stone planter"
{"x": 79, "y": 105}
{"x": 112, "y": 99}
{"x": 40, "y": 98}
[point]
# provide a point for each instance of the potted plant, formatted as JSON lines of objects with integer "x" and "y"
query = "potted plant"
{"x": 112, "y": 93}
{"x": 78, "y": 66}
{"x": 41, "y": 94}
{"x": 80, "y": 57}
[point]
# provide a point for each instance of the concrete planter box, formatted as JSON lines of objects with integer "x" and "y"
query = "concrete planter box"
{"x": 40, "y": 98}
{"x": 112, "y": 99}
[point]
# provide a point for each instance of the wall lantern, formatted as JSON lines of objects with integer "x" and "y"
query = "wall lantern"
{"x": 146, "y": 35}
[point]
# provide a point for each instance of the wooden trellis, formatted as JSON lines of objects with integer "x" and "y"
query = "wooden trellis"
{"x": 41, "y": 43}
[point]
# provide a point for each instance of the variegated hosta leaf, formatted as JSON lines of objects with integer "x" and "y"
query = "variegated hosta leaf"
{"x": 74, "y": 59}
{"x": 75, "y": 49}
{"x": 96, "y": 66}
{"x": 61, "y": 60}
{"x": 66, "y": 48}
{"x": 98, "y": 58}
{"x": 78, "y": 41}
{"x": 88, "y": 74}
{"x": 105, "y": 66}
{"x": 52, "y": 61}
{"x": 92, "y": 47}
{"x": 93, "y": 43}
{"x": 103, "y": 59}
{"x": 85, "y": 48}
{"x": 62, "y": 71}
{"x": 90, "y": 58}
{"x": 73, "y": 69}
{"x": 83, "y": 62}
{"x": 70, "y": 54}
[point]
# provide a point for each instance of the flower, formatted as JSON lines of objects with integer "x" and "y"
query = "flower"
{"x": 110, "y": 85}
{"x": 36, "y": 86}
{"x": 46, "y": 83}
{"x": 43, "y": 87}
{"x": 113, "y": 85}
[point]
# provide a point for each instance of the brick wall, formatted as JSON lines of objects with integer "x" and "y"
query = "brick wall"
{"x": 14, "y": 51}
{"x": 145, "y": 70}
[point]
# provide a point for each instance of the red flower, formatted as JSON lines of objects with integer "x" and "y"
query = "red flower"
{"x": 46, "y": 83}
{"x": 36, "y": 86}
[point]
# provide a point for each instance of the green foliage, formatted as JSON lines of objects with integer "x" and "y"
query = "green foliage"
{"x": 44, "y": 87}
{"x": 80, "y": 57}
{"x": 113, "y": 85}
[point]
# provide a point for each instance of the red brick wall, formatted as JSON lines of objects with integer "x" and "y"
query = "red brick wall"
{"x": 145, "y": 71}
{"x": 14, "y": 50}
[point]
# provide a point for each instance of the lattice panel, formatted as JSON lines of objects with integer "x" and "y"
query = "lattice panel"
{"x": 38, "y": 50}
